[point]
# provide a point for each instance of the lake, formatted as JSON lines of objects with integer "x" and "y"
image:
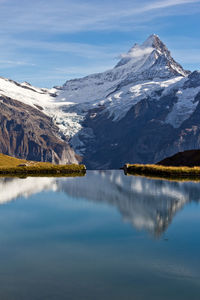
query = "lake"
{"x": 102, "y": 236}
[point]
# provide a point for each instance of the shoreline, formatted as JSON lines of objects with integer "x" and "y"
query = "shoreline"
{"x": 45, "y": 170}
{"x": 163, "y": 172}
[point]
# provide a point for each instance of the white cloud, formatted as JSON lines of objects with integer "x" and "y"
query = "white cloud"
{"x": 137, "y": 52}
{"x": 14, "y": 63}
{"x": 167, "y": 3}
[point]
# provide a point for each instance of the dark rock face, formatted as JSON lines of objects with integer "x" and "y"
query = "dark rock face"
{"x": 139, "y": 137}
{"x": 188, "y": 158}
{"x": 193, "y": 80}
{"x": 26, "y": 132}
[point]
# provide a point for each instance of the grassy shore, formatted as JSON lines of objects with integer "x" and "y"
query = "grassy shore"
{"x": 19, "y": 167}
{"x": 186, "y": 173}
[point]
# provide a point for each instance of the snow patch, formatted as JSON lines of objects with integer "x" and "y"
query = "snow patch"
{"x": 184, "y": 107}
{"x": 120, "y": 103}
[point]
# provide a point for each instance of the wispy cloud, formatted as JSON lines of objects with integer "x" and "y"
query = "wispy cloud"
{"x": 68, "y": 16}
{"x": 151, "y": 6}
{"x": 137, "y": 52}
{"x": 79, "y": 49}
{"x": 14, "y": 63}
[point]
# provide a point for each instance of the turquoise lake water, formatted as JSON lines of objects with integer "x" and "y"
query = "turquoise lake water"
{"x": 102, "y": 236}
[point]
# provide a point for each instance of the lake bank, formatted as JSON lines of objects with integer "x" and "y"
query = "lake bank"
{"x": 54, "y": 170}
{"x": 11, "y": 166}
{"x": 182, "y": 173}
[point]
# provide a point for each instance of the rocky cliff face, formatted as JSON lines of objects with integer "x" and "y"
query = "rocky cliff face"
{"x": 26, "y": 132}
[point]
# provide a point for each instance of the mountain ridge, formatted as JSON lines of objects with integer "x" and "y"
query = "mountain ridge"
{"x": 144, "y": 109}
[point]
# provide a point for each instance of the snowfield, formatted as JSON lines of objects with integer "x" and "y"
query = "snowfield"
{"x": 184, "y": 107}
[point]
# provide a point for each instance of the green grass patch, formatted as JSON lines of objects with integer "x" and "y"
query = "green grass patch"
{"x": 164, "y": 172}
{"x": 12, "y": 166}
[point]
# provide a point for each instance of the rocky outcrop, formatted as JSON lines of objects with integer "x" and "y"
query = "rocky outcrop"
{"x": 190, "y": 158}
{"x": 26, "y": 132}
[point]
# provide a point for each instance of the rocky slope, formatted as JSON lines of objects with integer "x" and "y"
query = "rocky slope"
{"x": 144, "y": 109}
{"x": 26, "y": 132}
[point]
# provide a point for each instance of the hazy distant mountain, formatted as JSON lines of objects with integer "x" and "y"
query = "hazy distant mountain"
{"x": 144, "y": 109}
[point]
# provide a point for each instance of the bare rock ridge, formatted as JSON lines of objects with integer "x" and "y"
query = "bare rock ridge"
{"x": 144, "y": 109}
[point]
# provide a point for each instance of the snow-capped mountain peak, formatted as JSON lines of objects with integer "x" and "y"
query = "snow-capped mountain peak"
{"x": 138, "y": 52}
{"x": 148, "y": 61}
{"x": 152, "y": 54}
{"x": 135, "y": 54}
{"x": 153, "y": 41}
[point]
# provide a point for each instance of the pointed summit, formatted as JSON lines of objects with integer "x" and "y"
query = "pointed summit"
{"x": 153, "y": 57}
{"x": 138, "y": 52}
{"x": 151, "y": 40}
{"x": 155, "y": 42}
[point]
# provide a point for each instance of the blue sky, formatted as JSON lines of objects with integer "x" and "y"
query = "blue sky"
{"x": 46, "y": 42}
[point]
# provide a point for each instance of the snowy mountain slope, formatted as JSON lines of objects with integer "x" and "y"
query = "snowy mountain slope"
{"x": 146, "y": 62}
{"x": 25, "y": 93}
{"x": 186, "y": 104}
{"x": 42, "y": 99}
{"x": 135, "y": 112}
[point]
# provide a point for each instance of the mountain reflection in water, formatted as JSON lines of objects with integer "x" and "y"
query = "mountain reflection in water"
{"x": 145, "y": 203}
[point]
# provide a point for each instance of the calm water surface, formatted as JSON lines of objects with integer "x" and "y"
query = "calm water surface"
{"x": 102, "y": 236}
